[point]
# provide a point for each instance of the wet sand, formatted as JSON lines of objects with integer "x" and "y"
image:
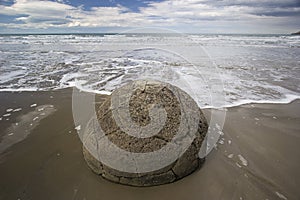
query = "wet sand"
{"x": 257, "y": 158}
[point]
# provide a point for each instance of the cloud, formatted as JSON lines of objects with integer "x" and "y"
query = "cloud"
{"x": 170, "y": 13}
{"x": 43, "y": 14}
{"x": 220, "y": 10}
{"x": 104, "y": 16}
{"x": 37, "y": 14}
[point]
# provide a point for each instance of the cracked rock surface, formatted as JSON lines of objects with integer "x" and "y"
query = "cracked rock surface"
{"x": 143, "y": 117}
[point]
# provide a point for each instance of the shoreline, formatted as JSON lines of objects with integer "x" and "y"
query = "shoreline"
{"x": 288, "y": 99}
{"x": 257, "y": 157}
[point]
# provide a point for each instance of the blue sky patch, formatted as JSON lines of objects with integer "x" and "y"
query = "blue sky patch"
{"x": 6, "y": 2}
{"x": 132, "y": 5}
{"x": 11, "y": 19}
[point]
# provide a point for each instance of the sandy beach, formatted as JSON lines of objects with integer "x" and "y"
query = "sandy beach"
{"x": 258, "y": 157}
{"x": 62, "y": 137}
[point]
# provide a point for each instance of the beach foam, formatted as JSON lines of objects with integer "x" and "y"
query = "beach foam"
{"x": 252, "y": 68}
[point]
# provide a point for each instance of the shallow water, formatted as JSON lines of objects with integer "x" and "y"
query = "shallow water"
{"x": 240, "y": 68}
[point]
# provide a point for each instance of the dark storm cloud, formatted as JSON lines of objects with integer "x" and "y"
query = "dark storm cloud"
{"x": 274, "y": 8}
{"x": 254, "y": 3}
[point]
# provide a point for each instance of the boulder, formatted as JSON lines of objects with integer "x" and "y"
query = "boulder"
{"x": 145, "y": 133}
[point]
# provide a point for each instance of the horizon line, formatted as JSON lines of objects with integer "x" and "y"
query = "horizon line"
{"x": 124, "y": 33}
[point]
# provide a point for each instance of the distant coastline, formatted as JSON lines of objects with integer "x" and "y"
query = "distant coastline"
{"x": 296, "y": 33}
{"x": 133, "y": 33}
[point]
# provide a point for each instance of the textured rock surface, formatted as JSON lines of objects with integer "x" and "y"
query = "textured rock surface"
{"x": 153, "y": 112}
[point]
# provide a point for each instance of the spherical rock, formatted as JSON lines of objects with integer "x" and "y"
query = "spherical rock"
{"x": 155, "y": 130}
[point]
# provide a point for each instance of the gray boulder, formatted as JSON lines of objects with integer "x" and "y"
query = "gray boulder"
{"x": 145, "y": 120}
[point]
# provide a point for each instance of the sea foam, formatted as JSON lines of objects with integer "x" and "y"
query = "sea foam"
{"x": 250, "y": 68}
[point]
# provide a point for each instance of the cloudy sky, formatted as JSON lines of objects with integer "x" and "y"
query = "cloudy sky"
{"x": 197, "y": 16}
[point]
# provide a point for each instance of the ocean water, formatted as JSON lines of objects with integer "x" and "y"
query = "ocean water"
{"x": 216, "y": 70}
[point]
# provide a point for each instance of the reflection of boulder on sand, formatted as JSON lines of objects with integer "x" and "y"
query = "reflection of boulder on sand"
{"x": 146, "y": 133}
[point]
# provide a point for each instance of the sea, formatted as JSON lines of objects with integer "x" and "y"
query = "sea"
{"x": 216, "y": 70}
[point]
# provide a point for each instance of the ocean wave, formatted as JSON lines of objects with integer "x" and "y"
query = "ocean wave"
{"x": 253, "y": 69}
